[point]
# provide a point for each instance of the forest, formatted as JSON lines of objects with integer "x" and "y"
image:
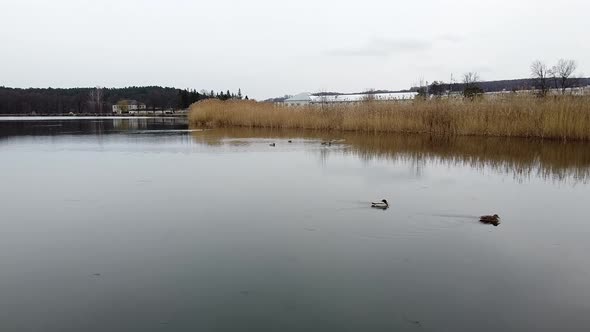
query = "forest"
{"x": 17, "y": 101}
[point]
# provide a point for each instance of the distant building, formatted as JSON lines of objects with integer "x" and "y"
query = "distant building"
{"x": 128, "y": 106}
{"x": 301, "y": 99}
{"x": 305, "y": 98}
{"x": 360, "y": 97}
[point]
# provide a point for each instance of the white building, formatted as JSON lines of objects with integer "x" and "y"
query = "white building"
{"x": 306, "y": 98}
{"x": 301, "y": 99}
{"x": 359, "y": 97}
{"x": 128, "y": 106}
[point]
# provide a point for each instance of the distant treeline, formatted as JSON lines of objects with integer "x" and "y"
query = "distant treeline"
{"x": 99, "y": 100}
{"x": 438, "y": 87}
{"x": 504, "y": 85}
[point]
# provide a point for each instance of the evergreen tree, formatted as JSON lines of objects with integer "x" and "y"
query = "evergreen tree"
{"x": 79, "y": 100}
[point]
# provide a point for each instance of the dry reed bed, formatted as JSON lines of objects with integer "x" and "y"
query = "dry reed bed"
{"x": 566, "y": 118}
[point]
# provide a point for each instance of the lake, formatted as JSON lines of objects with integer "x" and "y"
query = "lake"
{"x": 145, "y": 224}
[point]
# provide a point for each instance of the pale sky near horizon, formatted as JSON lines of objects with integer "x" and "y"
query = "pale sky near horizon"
{"x": 271, "y": 48}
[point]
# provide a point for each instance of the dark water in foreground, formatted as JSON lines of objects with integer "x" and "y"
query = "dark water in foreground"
{"x": 144, "y": 225}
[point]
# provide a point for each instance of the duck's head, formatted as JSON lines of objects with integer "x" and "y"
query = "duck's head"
{"x": 496, "y": 216}
{"x": 385, "y": 201}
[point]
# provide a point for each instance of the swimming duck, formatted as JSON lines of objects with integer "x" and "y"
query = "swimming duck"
{"x": 290, "y": 141}
{"x": 272, "y": 144}
{"x": 491, "y": 220}
{"x": 380, "y": 205}
{"x": 327, "y": 143}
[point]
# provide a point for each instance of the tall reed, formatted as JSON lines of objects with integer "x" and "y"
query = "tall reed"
{"x": 565, "y": 117}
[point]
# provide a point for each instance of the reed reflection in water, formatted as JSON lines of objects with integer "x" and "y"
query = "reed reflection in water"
{"x": 523, "y": 158}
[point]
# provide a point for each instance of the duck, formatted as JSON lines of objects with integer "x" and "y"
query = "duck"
{"x": 272, "y": 144}
{"x": 327, "y": 143}
{"x": 490, "y": 220}
{"x": 290, "y": 141}
{"x": 384, "y": 205}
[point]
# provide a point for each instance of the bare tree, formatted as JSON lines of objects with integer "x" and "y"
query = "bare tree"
{"x": 470, "y": 78}
{"x": 471, "y": 89}
{"x": 368, "y": 95}
{"x": 540, "y": 73}
{"x": 563, "y": 71}
{"x": 422, "y": 88}
{"x": 438, "y": 88}
{"x": 323, "y": 99}
{"x": 451, "y": 85}
{"x": 95, "y": 96}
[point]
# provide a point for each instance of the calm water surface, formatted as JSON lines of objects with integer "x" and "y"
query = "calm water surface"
{"x": 147, "y": 225}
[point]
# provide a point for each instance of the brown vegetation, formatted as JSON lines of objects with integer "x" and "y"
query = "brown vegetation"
{"x": 563, "y": 117}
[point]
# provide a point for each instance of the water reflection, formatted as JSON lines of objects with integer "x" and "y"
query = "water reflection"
{"x": 54, "y": 126}
{"x": 524, "y": 158}
{"x": 144, "y": 225}
{"x": 521, "y": 158}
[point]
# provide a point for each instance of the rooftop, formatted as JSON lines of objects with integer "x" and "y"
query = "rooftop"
{"x": 305, "y": 96}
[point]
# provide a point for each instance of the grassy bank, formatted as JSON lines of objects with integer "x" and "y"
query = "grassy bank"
{"x": 566, "y": 118}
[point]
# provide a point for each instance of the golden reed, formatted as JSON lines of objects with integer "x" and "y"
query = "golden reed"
{"x": 564, "y": 117}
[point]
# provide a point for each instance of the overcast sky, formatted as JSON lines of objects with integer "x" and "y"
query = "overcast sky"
{"x": 269, "y": 48}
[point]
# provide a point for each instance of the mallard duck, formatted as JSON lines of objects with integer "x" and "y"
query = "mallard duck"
{"x": 380, "y": 205}
{"x": 493, "y": 220}
{"x": 272, "y": 144}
